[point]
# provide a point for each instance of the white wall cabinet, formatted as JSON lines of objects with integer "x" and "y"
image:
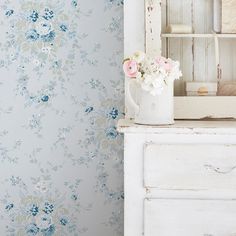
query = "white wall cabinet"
{"x": 204, "y": 55}
{"x": 180, "y": 180}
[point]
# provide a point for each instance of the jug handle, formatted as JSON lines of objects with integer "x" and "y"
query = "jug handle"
{"x": 129, "y": 95}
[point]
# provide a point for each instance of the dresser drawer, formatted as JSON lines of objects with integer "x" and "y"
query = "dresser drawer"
{"x": 190, "y": 166}
{"x": 189, "y": 217}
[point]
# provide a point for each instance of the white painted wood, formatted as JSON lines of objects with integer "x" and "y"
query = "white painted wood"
{"x": 217, "y": 15}
{"x": 210, "y": 45}
{"x": 198, "y": 35}
{"x": 182, "y": 133}
{"x": 207, "y": 211}
{"x": 196, "y": 52}
{"x": 153, "y": 27}
{"x": 164, "y": 23}
{"x": 200, "y": 52}
{"x": 192, "y": 167}
{"x": 191, "y": 194}
{"x": 225, "y": 35}
{"x": 226, "y": 56}
{"x": 204, "y": 107}
{"x": 180, "y": 127}
{"x": 134, "y": 193}
{"x": 134, "y": 27}
{"x": 228, "y": 16}
{"x": 204, "y": 57}
{"x": 179, "y": 12}
{"x": 134, "y": 36}
{"x": 181, "y": 217}
{"x": 187, "y": 35}
{"x": 217, "y": 61}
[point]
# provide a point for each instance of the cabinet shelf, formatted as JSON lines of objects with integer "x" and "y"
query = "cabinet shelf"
{"x": 198, "y": 35}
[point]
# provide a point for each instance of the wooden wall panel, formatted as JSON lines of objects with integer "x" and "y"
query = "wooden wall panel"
{"x": 180, "y": 49}
{"x": 210, "y": 44}
{"x": 226, "y": 58}
{"x": 197, "y": 56}
{"x": 200, "y": 44}
{"x": 153, "y": 27}
{"x": 163, "y": 26}
{"x": 233, "y": 59}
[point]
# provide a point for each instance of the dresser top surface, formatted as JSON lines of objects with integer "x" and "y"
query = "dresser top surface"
{"x": 180, "y": 126}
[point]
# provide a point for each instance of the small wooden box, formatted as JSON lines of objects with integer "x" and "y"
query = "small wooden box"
{"x": 228, "y": 16}
{"x": 201, "y": 88}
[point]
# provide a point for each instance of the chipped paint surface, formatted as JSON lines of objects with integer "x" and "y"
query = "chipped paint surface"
{"x": 227, "y": 127}
{"x": 153, "y": 27}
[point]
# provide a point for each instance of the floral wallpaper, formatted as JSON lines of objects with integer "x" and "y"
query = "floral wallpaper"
{"x": 61, "y": 95}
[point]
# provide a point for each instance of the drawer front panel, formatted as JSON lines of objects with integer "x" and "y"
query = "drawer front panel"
{"x": 189, "y": 217}
{"x": 190, "y": 166}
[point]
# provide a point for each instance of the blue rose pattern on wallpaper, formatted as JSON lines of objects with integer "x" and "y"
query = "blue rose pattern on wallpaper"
{"x": 61, "y": 89}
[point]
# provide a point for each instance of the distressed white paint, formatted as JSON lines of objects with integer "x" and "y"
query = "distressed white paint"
{"x": 211, "y": 58}
{"x": 205, "y": 107}
{"x": 134, "y": 35}
{"x": 153, "y": 27}
{"x": 180, "y": 48}
{"x": 193, "y": 133}
{"x": 175, "y": 35}
{"x": 181, "y": 217}
{"x": 217, "y": 16}
{"x": 193, "y": 167}
{"x": 228, "y": 16}
{"x": 197, "y": 52}
{"x": 180, "y": 127}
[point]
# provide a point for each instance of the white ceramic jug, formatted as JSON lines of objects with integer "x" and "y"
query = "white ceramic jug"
{"x": 152, "y": 110}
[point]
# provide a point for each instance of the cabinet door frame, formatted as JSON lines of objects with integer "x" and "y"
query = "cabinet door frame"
{"x": 142, "y": 31}
{"x": 134, "y": 37}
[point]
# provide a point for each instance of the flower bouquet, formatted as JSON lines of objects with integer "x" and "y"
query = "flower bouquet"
{"x": 154, "y": 78}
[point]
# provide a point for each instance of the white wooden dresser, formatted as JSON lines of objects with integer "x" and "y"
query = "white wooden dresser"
{"x": 180, "y": 180}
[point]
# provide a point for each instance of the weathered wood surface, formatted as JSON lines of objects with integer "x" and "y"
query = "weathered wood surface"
{"x": 193, "y": 133}
{"x": 214, "y": 107}
{"x": 197, "y": 56}
{"x": 153, "y": 27}
{"x": 190, "y": 166}
{"x": 226, "y": 127}
{"x": 134, "y": 36}
{"x": 228, "y": 16}
{"x": 181, "y": 217}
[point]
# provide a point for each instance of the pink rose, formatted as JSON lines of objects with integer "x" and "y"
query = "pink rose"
{"x": 130, "y": 68}
{"x": 164, "y": 63}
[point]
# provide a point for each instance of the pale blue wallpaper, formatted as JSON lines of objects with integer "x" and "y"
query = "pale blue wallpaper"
{"x": 61, "y": 95}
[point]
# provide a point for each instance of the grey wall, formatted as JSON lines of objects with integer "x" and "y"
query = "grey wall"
{"x": 61, "y": 94}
